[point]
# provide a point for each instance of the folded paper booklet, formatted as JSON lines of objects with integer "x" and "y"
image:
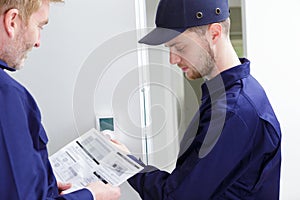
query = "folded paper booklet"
{"x": 92, "y": 157}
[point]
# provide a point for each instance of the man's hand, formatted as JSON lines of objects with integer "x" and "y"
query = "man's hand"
{"x": 63, "y": 186}
{"x": 120, "y": 146}
{"x": 103, "y": 191}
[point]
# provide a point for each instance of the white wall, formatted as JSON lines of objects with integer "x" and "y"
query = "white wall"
{"x": 273, "y": 40}
{"x": 76, "y": 31}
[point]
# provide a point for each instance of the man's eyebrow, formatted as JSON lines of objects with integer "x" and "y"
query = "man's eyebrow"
{"x": 171, "y": 45}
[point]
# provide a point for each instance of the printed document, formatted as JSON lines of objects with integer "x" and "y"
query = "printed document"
{"x": 92, "y": 157}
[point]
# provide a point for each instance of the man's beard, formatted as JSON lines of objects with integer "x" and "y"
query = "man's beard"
{"x": 209, "y": 62}
{"x": 15, "y": 53}
{"x": 207, "y": 65}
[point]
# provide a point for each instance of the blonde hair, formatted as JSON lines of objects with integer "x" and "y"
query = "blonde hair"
{"x": 26, "y": 7}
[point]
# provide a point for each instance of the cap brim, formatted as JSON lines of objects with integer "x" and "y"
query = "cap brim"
{"x": 160, "y": 36}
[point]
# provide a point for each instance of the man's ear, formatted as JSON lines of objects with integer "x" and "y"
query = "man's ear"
{"x": 215, "y": 32}
{"x": 11, "y": 18}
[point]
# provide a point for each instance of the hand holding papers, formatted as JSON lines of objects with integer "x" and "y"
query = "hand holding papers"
{"x": 120, "y": 146}
{"x": 92, "y": 157}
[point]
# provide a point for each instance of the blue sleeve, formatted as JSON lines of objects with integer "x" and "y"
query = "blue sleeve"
{"x": 200, "y": 178}
{"x": 83, "y": 194}
{"x": 25, "y": 171}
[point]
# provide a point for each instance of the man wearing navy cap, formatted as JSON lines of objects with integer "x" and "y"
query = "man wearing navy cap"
{"x": 231, "y": 149}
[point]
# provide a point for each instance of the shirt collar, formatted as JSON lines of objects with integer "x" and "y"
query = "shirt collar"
{"x": 226, "y": 78}
{"x": 3, "y": 65}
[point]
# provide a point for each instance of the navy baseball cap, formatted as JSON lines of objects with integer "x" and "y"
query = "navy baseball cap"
{"x": 173, "y": 17}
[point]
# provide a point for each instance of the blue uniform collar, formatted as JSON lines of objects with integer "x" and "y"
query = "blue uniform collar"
{"x": 3, "y": 65}
{"x": 226, "y": 78}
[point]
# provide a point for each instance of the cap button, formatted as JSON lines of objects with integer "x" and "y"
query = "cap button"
{"x": 199, "y": 15}
{"x": 218, "y": 11}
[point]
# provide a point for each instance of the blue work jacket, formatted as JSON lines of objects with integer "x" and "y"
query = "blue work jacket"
{"x": 25, "y": 171}
{"x": 231, "y": 150}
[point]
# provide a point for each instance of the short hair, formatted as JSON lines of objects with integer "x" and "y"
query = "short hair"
{"x": 201, "y": 30}
{"x": 26, "y": 7}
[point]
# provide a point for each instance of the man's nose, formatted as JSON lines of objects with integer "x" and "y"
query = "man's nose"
{"x": 38, "y": 42}
{"x": 174, "y": 58}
